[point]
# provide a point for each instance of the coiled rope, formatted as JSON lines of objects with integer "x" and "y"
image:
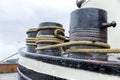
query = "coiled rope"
{"x": 72, "y": 43}
{"x": 31, "y": 30}
{"x": 59, "y": 37}
{"x": 31, "y": 40}
{"x": 58, "y": 33}
{"x": 48, "y": 38}
{"x": 90, "y": 43}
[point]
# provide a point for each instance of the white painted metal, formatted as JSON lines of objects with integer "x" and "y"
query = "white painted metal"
{"x": 63, "y": 72}
{"x": 114, "y": 57}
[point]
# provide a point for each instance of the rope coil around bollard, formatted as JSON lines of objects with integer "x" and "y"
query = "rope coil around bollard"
{"x": 90, "y": 43}
{"x": 31, "y": 40}
{"x": 60, "y": 34}
{"x": 31, "y": 30}
{"x": 57, "y": 37}
{"x": 48, "y": 38}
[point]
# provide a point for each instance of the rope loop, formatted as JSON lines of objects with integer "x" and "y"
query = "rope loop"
{"x": 57, "y": 37}
{"x": 59, "y": 33}
{"x": 49, "y": 27}
{"x": 100, "y": 51}
{"x": 48, "y": 38}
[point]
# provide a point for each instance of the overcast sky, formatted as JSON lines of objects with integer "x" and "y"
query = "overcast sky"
{"x": 17, "y": 16}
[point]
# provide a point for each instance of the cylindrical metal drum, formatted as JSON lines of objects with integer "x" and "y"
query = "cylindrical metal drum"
{"x": 86, "y": 25}
{"x": 31, "y": 45}
{"x": 49, "y": 31}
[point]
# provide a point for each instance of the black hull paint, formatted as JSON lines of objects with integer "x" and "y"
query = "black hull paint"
{"x": 103, "y": 67}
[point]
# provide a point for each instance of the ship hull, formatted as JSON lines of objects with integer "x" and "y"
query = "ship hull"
{"x": 43, "y": 67}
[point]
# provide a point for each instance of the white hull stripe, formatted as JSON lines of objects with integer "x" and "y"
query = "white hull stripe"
{"x": 63, "y": 72}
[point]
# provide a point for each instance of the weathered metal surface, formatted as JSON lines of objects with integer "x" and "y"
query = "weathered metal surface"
{"x": 31, "y": 34}
{"x": 103, "y": 67}
{"x": 31, "y": 48}
{"x": 85, "y": 25}
{"x": 54, "y": 51}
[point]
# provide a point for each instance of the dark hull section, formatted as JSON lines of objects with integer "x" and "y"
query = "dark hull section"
{"x": 34, "y": 75}
{"x": 107, "y": 68}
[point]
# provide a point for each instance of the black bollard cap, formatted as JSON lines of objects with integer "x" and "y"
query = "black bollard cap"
{"x": 50, "y": 24}
{"x": 88, "y": 18}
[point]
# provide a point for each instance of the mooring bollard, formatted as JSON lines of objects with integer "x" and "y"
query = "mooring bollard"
{"x": 88, "y": 24}
{"x": 47, "y": 35}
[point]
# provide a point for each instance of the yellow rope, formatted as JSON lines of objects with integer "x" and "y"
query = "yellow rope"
{"x": 51, "y": 38}
{"x": 102, "y": 51}
{"x": 101, "y": 44}
{"x": 48, "y": 38}
{"x": 30, "y": 40}
{"x": 58, "y": 36}
{"x": 48, "y": 41}
{"x": 31, "y": 30}
{"x": 44, "y": 36}
{"x": 58, "y": 33}
{"x": 50, "y": 27}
